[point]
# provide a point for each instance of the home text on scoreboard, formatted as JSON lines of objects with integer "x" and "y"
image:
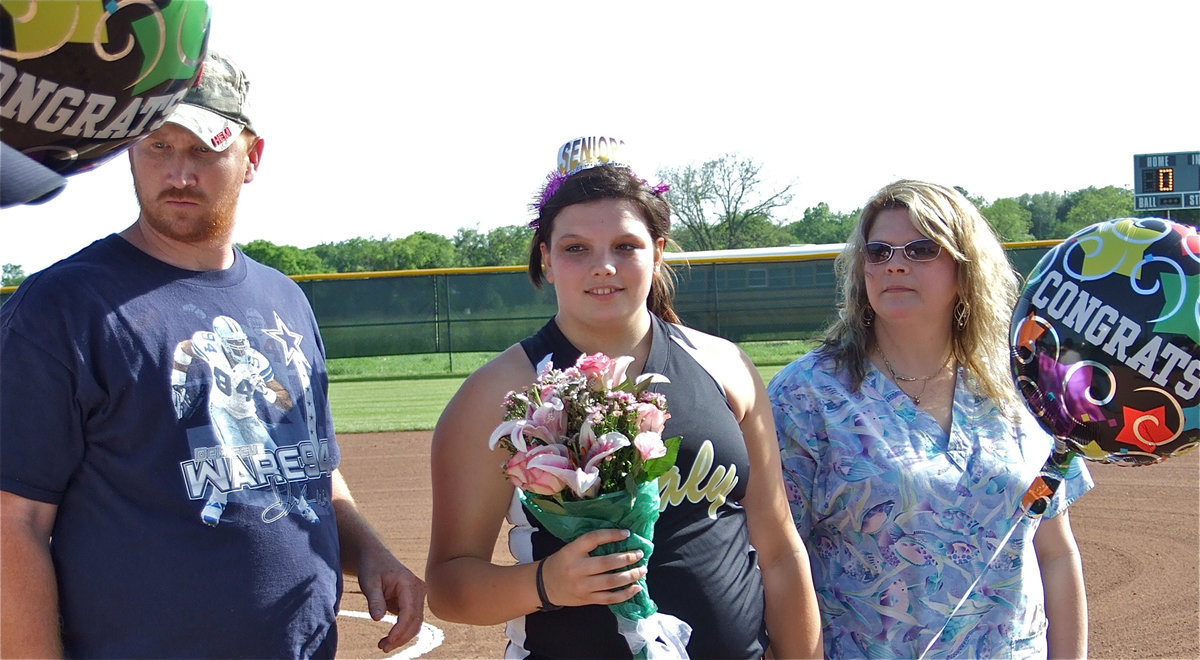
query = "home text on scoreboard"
{"x": 1166, "y": 181}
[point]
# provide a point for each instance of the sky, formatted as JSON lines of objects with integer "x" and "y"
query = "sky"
{"x": 383, "y": 118}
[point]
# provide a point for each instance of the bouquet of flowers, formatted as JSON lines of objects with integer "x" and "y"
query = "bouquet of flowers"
{"x": 586, "y": 452}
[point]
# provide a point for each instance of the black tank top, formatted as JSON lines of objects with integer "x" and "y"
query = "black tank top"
{"x": 703, "y": 569}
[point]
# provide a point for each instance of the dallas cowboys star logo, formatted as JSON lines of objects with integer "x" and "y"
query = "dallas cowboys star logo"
{"x": 289, "y": 342}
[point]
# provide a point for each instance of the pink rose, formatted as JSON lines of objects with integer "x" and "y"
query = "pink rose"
{"x": 592, "y": 366}
{"x": 537, "y": 470}
{"x": 650, "y": 445}
{"x": 650, "y": 417}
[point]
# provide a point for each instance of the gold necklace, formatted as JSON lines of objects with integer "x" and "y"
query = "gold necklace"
{"x": 924, "y": 380}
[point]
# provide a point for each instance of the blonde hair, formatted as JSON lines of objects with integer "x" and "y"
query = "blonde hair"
{"x": 987, "y": 287}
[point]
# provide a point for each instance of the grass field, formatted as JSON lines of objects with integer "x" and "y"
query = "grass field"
{"x": 408, "y": 392}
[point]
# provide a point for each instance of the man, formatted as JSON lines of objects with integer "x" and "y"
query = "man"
{"x": 105, "y": 484}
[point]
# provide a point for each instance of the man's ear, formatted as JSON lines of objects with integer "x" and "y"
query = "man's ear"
{"x": 253, "y": 158}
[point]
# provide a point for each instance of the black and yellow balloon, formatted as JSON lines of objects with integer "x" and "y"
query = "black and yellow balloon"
{"x": 1106, "y": 341}
{"x": 82, "y": 80}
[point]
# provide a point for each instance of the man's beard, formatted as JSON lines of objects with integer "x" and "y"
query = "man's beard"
{"x": 215, "y": 223}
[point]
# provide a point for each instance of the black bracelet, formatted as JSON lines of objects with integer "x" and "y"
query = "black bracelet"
{"x": 547, "y": 606}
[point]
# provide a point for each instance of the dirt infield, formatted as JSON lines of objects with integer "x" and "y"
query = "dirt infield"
{"x": 1138, "y": 531}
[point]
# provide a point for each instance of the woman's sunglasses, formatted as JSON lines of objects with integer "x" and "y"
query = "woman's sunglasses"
{"x": 922, "y": 249}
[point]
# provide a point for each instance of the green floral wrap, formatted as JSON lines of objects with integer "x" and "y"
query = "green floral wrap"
{"x": 570, "y": 520}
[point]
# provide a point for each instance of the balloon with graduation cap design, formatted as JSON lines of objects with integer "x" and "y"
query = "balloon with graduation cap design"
{"x": 1106, "y": 341}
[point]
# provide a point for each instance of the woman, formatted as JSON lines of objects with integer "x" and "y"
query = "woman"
{"x": 599, "y": 239}
{"x": 906, "y": 451}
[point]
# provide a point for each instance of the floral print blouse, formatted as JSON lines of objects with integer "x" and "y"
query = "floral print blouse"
{"x": 902, "y": 520}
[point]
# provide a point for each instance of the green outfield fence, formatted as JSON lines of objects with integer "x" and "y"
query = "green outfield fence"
{"x": 742, "y": 295}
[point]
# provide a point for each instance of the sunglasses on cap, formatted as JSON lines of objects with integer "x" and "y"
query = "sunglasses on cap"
{"x": 922, "y": 249}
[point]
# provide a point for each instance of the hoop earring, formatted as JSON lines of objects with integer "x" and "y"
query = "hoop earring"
{"x": 962, "y": 312}
{"x": 868, "y": 316}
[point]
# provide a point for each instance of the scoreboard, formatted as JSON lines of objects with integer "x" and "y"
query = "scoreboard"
{"x": 1166, "y": 181}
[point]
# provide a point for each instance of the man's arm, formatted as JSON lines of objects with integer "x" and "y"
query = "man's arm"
{"x": 28, "y": 587}
{"x": 387, "y": 584}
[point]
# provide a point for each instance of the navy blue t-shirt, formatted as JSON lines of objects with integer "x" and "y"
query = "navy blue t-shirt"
{"x": 703, "y": 569}
{"x": 179, "y": 420}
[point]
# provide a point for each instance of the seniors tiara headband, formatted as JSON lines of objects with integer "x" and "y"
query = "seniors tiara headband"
{"x": 585, "y": 153}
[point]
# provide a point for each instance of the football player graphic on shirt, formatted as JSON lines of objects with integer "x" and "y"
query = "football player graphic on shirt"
{"x": 238, "y": 376}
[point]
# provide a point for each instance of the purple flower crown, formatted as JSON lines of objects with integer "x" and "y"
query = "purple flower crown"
{"x": 554, "y": 181}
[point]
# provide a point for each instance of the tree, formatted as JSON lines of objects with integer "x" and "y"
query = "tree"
{"x": 821, "y": 225}
{"x": 979, "y": 202}
{"x": 755, "y": 231}
{"x": 1009, "y": 218}
{"x": 1044, "y": 219}
{"x": 471, "y": 246}
{"x": 719, "y": 202}
{"x": 716, "y": 206}
{"x": 760, "y": 231}
{"x": 1093, "y": 205}
{"x": 12, "y": 275}
{"x": 510, "y": 244}
{"x": 287, "y": 259}
{"x": 502, "y": 246}
{"x": 353, "y": 255}
{"x": 422, "y": 249}
{"x": 1182, "y": 216}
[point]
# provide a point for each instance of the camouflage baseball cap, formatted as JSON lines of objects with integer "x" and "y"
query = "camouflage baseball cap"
{"x": 216, "y": 108}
